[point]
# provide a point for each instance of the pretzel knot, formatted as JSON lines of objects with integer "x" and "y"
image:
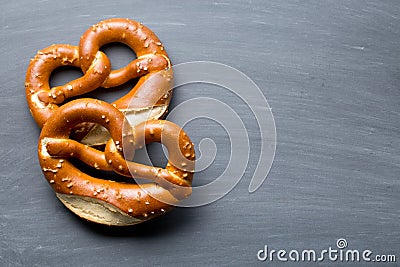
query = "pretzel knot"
{"x": 105, "y": 136}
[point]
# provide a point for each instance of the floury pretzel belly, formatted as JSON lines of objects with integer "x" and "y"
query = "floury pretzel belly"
{"x": 70, "y": 130}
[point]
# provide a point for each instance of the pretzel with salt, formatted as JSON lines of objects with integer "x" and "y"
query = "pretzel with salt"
{"x": 148, "y": 99}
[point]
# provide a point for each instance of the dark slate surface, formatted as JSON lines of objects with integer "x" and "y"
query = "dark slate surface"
{"x": 331, "y": 73}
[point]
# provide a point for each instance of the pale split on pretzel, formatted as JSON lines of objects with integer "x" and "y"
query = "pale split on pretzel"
{"x": 70, "y": 130}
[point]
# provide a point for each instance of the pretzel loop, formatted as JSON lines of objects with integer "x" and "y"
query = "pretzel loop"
{"x": 149, "y": 50}
{"x": 42, "y": 99}
{"x": 180, "y": 166}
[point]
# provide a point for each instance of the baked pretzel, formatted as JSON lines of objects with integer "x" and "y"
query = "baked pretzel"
{"x": 148, "y": 99}
{"x": 110, "y": 202}
{"x": 70, "y": 130}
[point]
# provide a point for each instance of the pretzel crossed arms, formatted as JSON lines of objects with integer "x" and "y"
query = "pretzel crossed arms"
{"x": 105, "y": 136}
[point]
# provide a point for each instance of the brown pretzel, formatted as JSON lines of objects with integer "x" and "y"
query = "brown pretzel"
{"x": 125, "y": 126}
{"x": 149, "y": 97}
{"x": 115, "y": 203}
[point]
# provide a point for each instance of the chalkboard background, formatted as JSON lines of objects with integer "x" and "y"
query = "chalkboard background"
{"x": 331, "y": 73}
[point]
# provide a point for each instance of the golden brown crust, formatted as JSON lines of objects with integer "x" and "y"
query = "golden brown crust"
{"x": 152, "y": 66}
{"x": 139, "y": 201}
